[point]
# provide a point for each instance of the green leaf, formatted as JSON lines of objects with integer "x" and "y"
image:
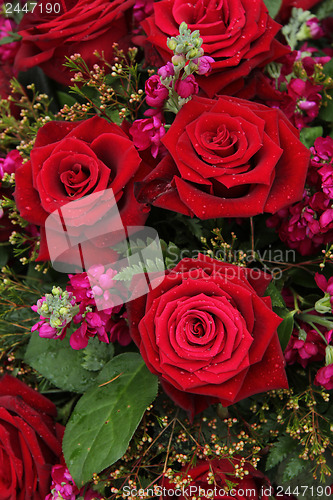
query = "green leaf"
{"x": 275, "y": 295}
{"x": 293, "y": 468}
{"x": 324, "y": 10}
{"x": 96, "y": 355}
{"x": 106, "y": 417}
{"x": 172, "y": 255}
{"x": 326, "y": 110}
{"x": 150, "y": 266}
{"x": 13, "y": 37}
{"x": 273, "y": 6}
{"x": 64, "y": 98}
{"x": 281, "y": 449}
{"x": 309, "y": 134}
{"x": 4, "y": 254}
{"x": 286, "y": 327}
{"x": 60, "y": 364}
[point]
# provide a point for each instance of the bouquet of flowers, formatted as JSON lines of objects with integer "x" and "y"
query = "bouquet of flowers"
{"x": 166, "y": 324}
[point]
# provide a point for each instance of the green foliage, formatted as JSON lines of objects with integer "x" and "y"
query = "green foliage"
{"x": 325, "y": 9}
{"x": 17, "y": 294}
{"x": 106, "y": 417}
{"x": 96, "y": 355}
{"x": 309, "y": 134}
{"x": 111, "y": 91}
{"x": 293, "y": 30}
{"x": 294, "y": 466}
{"x": 35, "y": 112}
{"x": 280, "y": 450}
{"x": 65, "y": 367}
{"x": 326, "y": 110}
{"x": 275, "y": 295}
{"x": 273, "y": 6}
{"x": 149, "y": 266}
{"x": 171, "y": 254}
{"x": 286, "y": 327}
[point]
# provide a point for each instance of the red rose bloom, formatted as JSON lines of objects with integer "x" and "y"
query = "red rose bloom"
{"x": 80, "y": 26}
{"x": 228, "y": 158}
{"x": 253, "y": 486}
{"x": 71, "y": 160}
{"x": 208, "y": 332}
{"x": 239, "y": 35}
{"x": 30, "y": 441}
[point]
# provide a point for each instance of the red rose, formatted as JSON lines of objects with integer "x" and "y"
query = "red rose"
{"x": 239, "y": 35}
{"x": 79, "y": 26}
{"x": 30, "y": 441}
{"x": 71, "y": 160}
{"x": 228, "y": 158}
{"x": 208, "y": 332}
{"x": 253, "y": 486}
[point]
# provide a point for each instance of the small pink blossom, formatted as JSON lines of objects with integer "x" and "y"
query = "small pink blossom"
{"x": 204, "y": 65}
{"x": 187, "y": 87}
{"x": 324, "y": 377}
{"x": 156, "y": 92}
{"x": 9, "y": 164}
{"x": 322, "y": 150}
{"x": 120, "y": 333}
{"x": 148, "y": 132}
{"x": 304, "y": 351}
{"x": 325, "y": 285}
{"x": 316, "y": 31}
{"x": 306, "y": 225}
{"x": 142, "y": 9}
{"x": 166, "y": 71}
{"x": 326, "y": 173}
{"x": 7, "y": 50}
{"x": 63, "y": 486}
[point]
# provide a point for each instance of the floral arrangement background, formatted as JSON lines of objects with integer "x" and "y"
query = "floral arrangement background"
{"x": 205, "y": 371}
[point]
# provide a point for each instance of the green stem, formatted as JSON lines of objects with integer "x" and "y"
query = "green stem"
{"x": 311, "y": 318}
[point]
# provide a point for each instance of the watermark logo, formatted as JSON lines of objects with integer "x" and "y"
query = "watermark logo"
{"x": 88, "y": 235}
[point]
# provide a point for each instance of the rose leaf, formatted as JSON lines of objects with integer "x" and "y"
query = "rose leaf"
{"x": 106, "y": 417}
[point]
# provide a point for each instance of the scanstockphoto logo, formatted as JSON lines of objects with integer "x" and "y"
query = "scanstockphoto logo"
{"x": 105, "y": 249}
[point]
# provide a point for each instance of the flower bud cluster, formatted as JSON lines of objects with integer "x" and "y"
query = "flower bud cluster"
{"x": 175, "y": 83}
{"x": 56, "y": 310}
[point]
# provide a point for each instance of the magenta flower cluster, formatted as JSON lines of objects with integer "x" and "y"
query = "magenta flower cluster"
{"x": 64, "y": 488}
{"x": 308, "y": 225}
{"x": 85, "y": 293}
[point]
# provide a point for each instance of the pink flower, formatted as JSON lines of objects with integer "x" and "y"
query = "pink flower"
{"x": 142, "y": 9}
{"x": 204, "y": 64}
{"x": 156, "y": 92}
{"x": 187, "y": 87}
{"x": 301, "y": 102}
{"x": 120, "y": 333}
{"x": 10, "y": 163}
{"x": 64, "y": 488}
{"x": 324, "y": 377}
{"x": 316, "y": 31}
{"x": 307, "y": 100}
{"x": 307, "y": 225}
{"x": 95, "y": 323}
{"x": 305, "y": 350}
{"x": 166, "y": 71}
{"x": 148, "y": 132}
{"x": 7, "y": 50}
{"x": 325, "y": 285}
{"x": 322, "y": 150}
{"x": 326, "y": 173}
{"x": 62, "y": 485}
